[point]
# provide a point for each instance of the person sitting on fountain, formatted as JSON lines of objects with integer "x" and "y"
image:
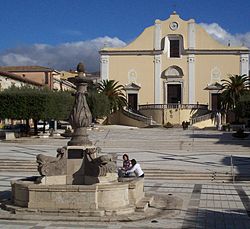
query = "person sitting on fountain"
{"x": 126, "y": 162}
{"x": 136, "y": 168}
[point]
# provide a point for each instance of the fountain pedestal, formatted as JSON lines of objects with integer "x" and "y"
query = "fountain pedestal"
{"x": 75, "y": 165}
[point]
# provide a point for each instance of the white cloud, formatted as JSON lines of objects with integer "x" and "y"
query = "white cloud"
{"x": 224, "y": 37}
{"x": 14, "y": 58}
{"x": 63, "y": 56}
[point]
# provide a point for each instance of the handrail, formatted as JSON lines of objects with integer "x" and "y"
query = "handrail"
{"x": 137, "y": 116}
{"x": 202, "y": 118}
{"x": 173, "y": 106}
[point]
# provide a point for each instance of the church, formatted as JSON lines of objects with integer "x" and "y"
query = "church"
{"x": 173, "y": 62}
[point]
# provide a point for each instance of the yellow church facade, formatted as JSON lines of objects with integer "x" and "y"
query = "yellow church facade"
{"x": 173, "y": 62}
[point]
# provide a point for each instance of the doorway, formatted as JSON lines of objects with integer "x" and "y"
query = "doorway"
{"x": 215, "y": 97}
{"x": 174, "y": 93}
{"x": 133, "y": 101}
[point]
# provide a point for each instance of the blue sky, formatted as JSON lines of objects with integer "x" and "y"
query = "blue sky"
{"x": 53, "y": 26}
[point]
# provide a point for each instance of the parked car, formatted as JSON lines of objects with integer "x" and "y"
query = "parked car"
{"x": 63, "y": 125}
{"x": 40, "y": 125}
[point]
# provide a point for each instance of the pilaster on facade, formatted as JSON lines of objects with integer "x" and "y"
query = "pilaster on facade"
{"x": 191, "y": 79}
{"x": 244, "y": 64}
{"x": 157, "y": 79}
{"x": 191, "y": 34}
{"x": 104, "y": 69}
{"x": 157, "y": 35}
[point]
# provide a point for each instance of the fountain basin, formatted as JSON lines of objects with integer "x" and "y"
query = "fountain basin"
{"x": 114, "y": 198}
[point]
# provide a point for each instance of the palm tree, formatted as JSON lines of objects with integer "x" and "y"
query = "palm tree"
{"x": 233, "y": 88}
{"x": 115, "y": 94}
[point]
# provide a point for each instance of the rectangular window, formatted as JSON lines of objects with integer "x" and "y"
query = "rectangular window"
{"x": 174, "y": 48}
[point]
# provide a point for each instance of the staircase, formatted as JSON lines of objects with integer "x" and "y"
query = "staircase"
{"x": 212, "y": 176}
{"x": 204, "y": 121}
{"x": 139, "y": 117}
{"x": 10, "y": 165}
{"x": 201, "y": 118}
{"x": 19, "y": 166}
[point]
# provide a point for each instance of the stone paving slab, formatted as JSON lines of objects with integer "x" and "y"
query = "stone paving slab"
{"x": 202, "y": 207}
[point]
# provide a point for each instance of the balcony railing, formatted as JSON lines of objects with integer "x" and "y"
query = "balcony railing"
{"x": 173, "y": 106}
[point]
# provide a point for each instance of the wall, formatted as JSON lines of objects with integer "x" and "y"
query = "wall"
{"x": 120, "y": 119}
{"x": 203, "y": 124}
{"x": 174, "y": 116}
{"x": 157, "y": 115}
{"x": 6, "y": 82}
{"x": 144, "y": 69}
{"x": 206, "y": 65}
{"x": 38, "y": 77}
{"x": 144, "y": 41}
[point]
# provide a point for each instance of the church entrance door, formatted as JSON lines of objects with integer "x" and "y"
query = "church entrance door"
{"x": 174, "y": 93}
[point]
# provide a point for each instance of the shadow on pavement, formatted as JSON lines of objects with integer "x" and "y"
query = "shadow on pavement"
{"x": 225, "y": 138}
{"x": 5, "y": 195}
{"x": 241, "y": 166}
{"x": 206, "y": 218}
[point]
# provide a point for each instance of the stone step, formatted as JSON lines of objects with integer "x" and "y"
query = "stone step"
{"x": 17, "y": 165}
{"x": 17, "y": 162}
{"x": 186, "y": 174}
{"x": 144, "y": 203}
{"x": 10, "y": 165}
{"x": 18, "y": 169}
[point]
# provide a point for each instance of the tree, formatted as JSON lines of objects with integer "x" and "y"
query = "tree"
{"x": 233, "y": 89}
{"x": 115, "y": 94}
{"x": 98, "y": 103}
{"x": 245, "y": 105}
{"x": 37, "y": 104}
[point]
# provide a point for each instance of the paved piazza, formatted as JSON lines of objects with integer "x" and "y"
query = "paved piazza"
{"x": 192, "y": 166}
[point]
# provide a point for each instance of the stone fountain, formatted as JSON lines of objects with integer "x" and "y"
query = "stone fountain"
{"x": 79, "y": 181}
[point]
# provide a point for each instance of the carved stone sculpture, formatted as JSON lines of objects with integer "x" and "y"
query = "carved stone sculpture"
{"x": 80, "y": 67}
{"x": 80, "y": 117}
{"x": 52, "y": 166}
{"x": 99, "y": 166}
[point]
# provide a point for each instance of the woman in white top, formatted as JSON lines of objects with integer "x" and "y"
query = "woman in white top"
{"x": 136, "y": 168}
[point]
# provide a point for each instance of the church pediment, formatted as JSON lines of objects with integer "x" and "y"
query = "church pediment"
{"x": 213, "y": 86}
{"x": 132, "y": 86}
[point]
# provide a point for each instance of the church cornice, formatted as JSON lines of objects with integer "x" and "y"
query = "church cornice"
{"x": 131, "y": 52}
{"x": 186, "y": 52}
{"x": 216, "y": 51}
